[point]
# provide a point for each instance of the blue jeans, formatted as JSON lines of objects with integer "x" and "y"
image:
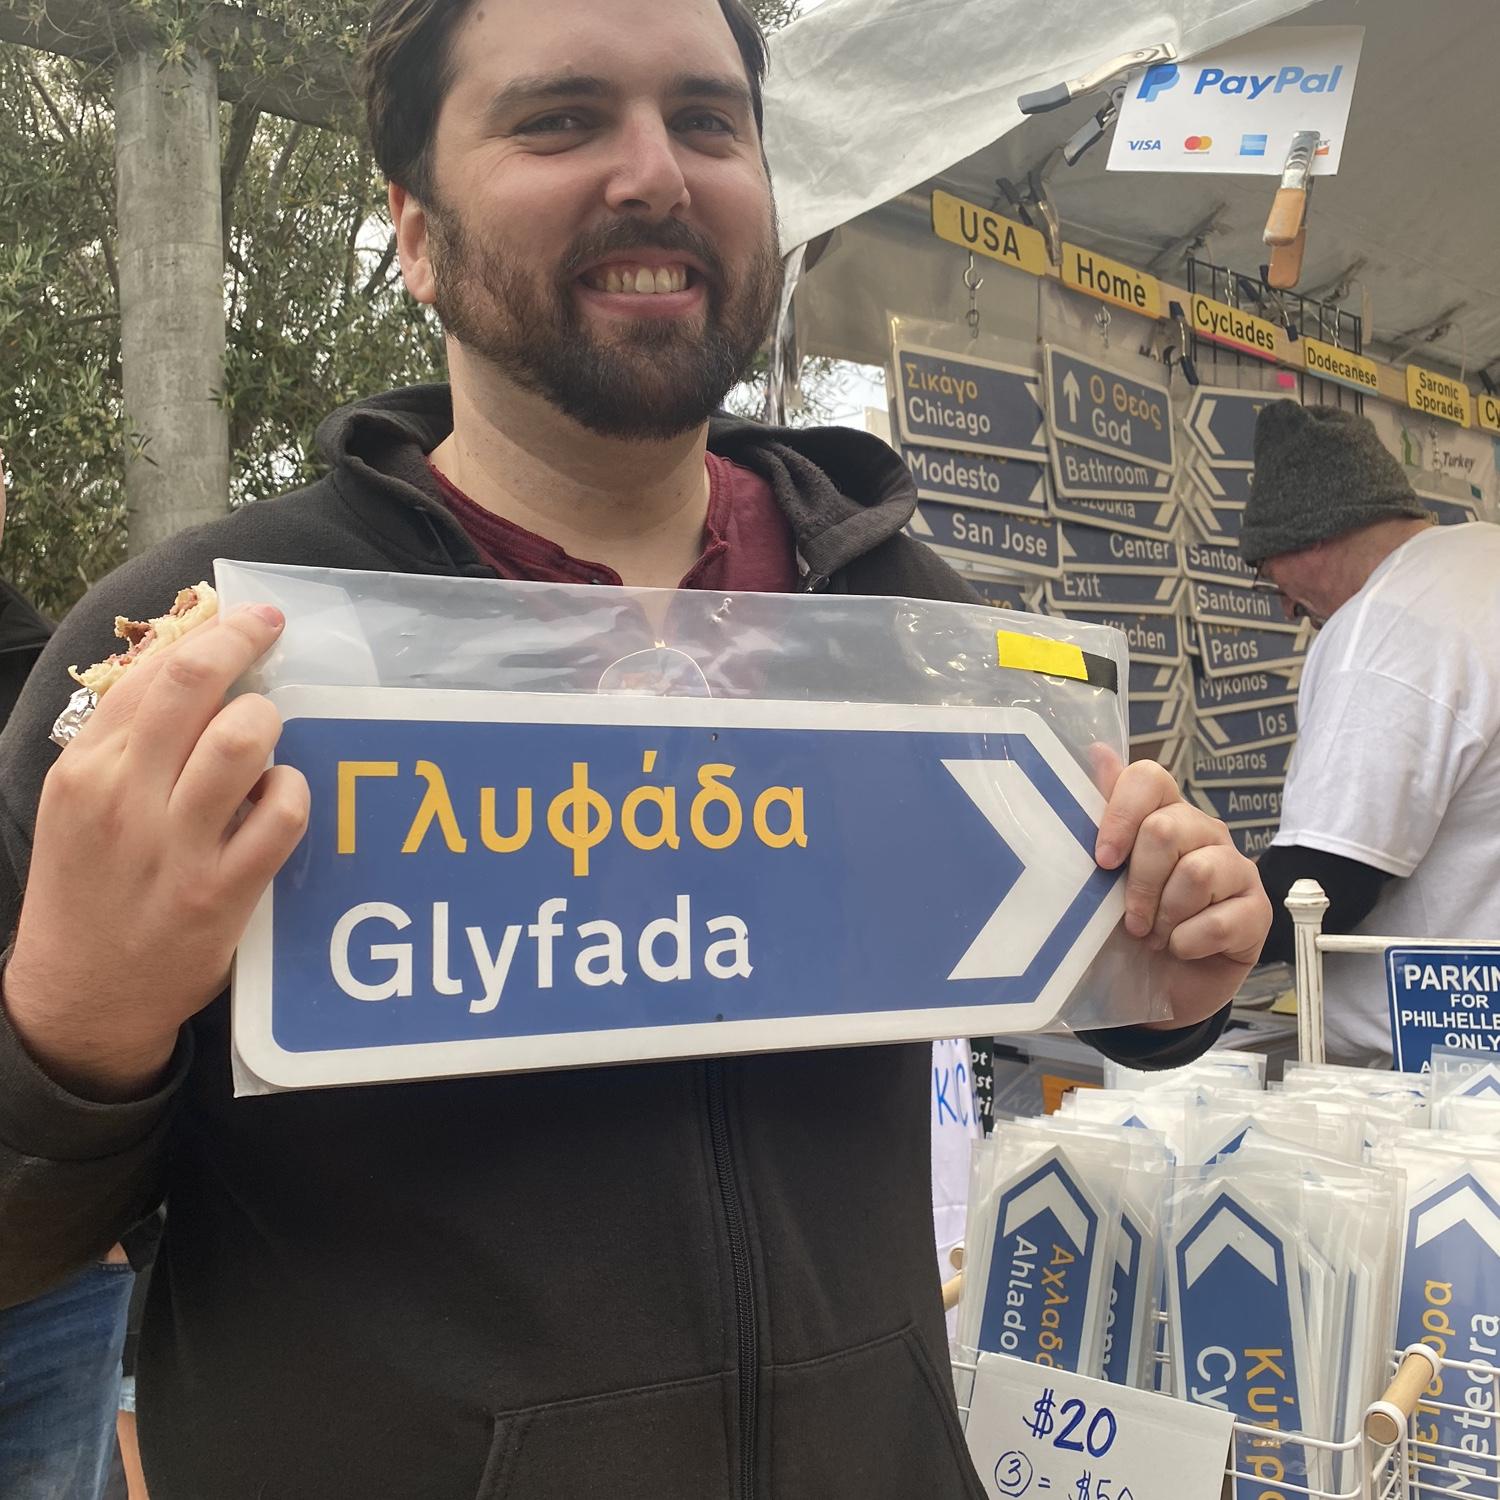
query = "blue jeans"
{"x": 60, "y": 1386}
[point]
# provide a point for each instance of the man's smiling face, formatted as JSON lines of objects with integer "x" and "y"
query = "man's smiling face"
{"x": 601, "y": 226}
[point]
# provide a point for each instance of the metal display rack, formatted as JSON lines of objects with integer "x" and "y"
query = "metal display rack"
{"x": 1393, "y": 1454}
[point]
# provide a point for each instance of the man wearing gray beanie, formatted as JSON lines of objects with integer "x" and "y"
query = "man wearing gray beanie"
{"x": 1392, "y": 799}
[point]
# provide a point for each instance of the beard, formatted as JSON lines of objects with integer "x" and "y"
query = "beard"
{"x": 646, "y": 379}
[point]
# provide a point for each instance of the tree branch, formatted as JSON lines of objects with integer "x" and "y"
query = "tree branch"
{"x": 376, "y": 279}
{"x": 242, "y": 122}
{"x": 278, "y": 172}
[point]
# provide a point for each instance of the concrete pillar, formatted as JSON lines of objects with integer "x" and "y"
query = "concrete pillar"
{"x": 171, "y": 261}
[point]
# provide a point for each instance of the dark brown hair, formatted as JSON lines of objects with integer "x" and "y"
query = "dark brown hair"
{"x": 406, "y": 71}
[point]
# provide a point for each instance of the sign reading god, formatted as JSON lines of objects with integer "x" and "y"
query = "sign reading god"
{"x": 501, "y": 881}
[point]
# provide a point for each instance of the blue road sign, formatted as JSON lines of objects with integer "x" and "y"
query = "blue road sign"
{"x": 1238, "y": 1328}
{"x": 1227, "y": 489}
{"x": 1239, "y": 806}
{"x": 1122, "y": 1329}
{"x": 1221, "y": 423}
{"x": 1253, "y": 839}
{"x": 495, "y": 881}
{"x": 1442, "y": 997}
{"x": 1226, "y": 650}
{"x": 1096, "y": 407}
{"x": 1102, "y": 551}
{"x": 1450, "y": 1290}
{"x": 1155, "y": 640}
{"x": 978, "y": 480}
{"x": 1045, "y": 1268}
{"x": 952, "y": 401}
{"x": 1238, "y": 604}
{"x": 1265, "y": 766}
{"x": 1144, "y": 593}
{"x": 1216, "y": 562}
{"x": 1013, "y": 543}
{"x": 1218, "y": 695}
{"x": 1450, "y": 512}
{"x": 1086, "y": 474}
{"x": 1150, "y": 681}
{"x": 1150, "y": 719}
{"x": 1246, "y": 728}
{"x": 1002, "y": 595}
{"x": 1220, "y": 524}
{"x": 1153, "y": 518}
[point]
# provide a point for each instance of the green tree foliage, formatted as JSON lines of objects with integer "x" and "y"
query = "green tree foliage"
{"x": 316, "y": 311}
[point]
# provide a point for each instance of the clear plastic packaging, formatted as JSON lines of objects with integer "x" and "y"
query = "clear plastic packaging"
{"x": 1045, "y": 1207}
{"x": 1221, "y": 1067}
{"x": 498, "y": 653}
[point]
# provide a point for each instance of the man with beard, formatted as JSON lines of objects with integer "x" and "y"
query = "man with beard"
{"x": 680, "y": 1281}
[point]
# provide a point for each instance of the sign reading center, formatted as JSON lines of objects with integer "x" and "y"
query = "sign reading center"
{"x": 1100, "y": 408}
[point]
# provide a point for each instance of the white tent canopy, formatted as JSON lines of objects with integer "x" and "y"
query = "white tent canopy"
{"x": 873, "y": 102}
{"x": 867, "y": 98}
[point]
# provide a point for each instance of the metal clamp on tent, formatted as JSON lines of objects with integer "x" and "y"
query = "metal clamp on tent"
{"x": 1042, "y": 100}
{"x": 1286, "y": 227}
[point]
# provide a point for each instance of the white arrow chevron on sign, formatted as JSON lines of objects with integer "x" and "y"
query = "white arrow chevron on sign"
{"x": 1463, "y": 1207}
{"x": 1055, "y": 867}
{"x": 1228, "y": 1232}
{"x": 1049, "y": 1194}
{"x": 919, "y": 523}
{"x": 1203, "y": 422}
{"x": 1039, "y": 437}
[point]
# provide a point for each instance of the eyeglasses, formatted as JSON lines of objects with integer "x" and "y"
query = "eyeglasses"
{"x": 1261, "y": 582}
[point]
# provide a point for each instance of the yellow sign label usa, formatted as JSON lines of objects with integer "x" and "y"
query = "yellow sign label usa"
{"x": 1329, "y": 362}
{"x": 1111, "y": 281}
{"x": 1437, "y": 395}
{"x": 1487, "y": 409}
{"x": 1228, "y": 325}
{"x": 986, "y": 233}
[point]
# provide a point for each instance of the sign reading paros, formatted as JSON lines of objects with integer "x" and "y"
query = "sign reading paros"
{"x": 492, "y": 882}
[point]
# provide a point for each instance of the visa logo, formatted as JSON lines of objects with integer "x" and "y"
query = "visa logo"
{"x": 1252, "y": 145}
{"x": 1252, "y": 85}
{"x": 1145, "y": 145}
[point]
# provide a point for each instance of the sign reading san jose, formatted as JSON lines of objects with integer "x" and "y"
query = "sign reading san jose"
{"x": 506, "y": 881}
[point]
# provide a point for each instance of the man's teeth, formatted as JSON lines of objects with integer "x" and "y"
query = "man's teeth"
{"x": 640, "y": 279}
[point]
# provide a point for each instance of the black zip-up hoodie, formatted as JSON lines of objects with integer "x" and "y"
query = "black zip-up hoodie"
{"x": 682, "y": 1281}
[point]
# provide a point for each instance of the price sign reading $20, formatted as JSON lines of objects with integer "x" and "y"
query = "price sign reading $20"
{"x": 1040, "y": 1432}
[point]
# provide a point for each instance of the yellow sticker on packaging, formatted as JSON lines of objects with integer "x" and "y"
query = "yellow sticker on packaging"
{"x": 1111, "y": 281}
{"x": 1438, "y": 395}
{"x": 986, "y": 233}
{"x": 1033, "y": 653}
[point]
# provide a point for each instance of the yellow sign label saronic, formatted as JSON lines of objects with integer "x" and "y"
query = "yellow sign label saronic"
{"x": 986, "y": 233}
{"x": 1111, "y": 281}
{"x": 1228, "y": 325}
{"x": 1438, "y": 395}
{"x": 1329, "y": 362}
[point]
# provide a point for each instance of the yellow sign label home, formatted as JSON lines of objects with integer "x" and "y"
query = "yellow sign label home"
{"x": 1111, "y": 281}
{"x": 1329, "y": 362}
{"x": 1487, "y": 409}
{"x": 986, "y": 233}
{"x": 1228, "y": 325}
{"x": 1437, "y": 395}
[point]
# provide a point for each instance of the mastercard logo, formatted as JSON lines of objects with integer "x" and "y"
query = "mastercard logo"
{"x": 1198, "y": 143}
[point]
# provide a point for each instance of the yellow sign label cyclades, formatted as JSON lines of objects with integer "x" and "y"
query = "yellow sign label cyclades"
{"x": 1111, "y": 281}
{"x": 1438, "y": 395}
{"x": 986, "y": 233}
{"x": 1487, "y": 409}
{"x": 1329, "y": 362}
{"x": 1228, "y": 325}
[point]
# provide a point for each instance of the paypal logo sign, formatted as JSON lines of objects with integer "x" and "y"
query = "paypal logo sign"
{"x": 1157, "y": 81}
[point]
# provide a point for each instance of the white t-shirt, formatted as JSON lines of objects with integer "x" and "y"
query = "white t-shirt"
{"x": 1397, "y": 761}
